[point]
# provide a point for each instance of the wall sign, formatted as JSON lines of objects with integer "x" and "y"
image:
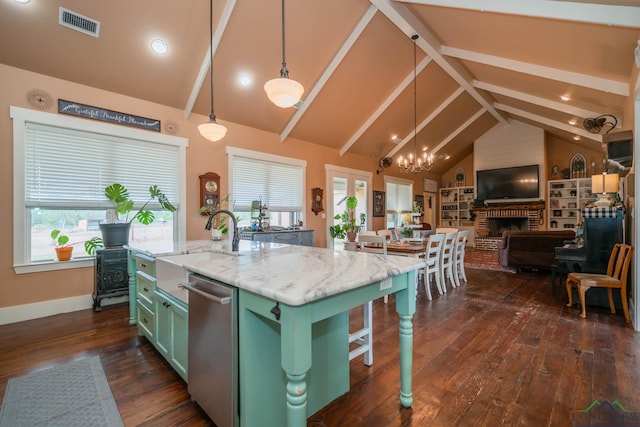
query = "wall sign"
{"x": 95, "y": 113}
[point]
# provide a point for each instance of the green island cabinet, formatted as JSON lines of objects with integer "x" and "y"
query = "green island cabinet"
{"x": 161, "y": 317}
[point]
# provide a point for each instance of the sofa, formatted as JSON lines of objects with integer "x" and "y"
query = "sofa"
{"x": 531, "y": 249}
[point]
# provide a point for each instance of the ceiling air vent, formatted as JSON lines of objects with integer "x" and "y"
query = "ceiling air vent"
{"x": 77, "y": 22}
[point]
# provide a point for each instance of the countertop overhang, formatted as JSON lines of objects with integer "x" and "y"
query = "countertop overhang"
{"x": 293, "y": 275}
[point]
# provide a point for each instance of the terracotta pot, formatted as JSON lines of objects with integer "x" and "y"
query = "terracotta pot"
{"x": 351, "y": 236}
{"x": 64, "y": 253}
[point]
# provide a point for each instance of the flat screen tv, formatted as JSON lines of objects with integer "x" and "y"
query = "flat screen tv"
{"x": 519, "y": 182}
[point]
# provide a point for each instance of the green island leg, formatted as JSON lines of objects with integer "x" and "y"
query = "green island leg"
{"x": 133, "y": 313}
{"x": 296, "y": 361}
{"x": 406, "y": 307}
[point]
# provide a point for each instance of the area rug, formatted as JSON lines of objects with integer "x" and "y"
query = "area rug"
{"x": 484, "y": 260}
{"x": 75, "y": 394}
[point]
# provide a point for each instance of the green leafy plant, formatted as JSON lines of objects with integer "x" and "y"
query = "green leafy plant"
{"x": 59, "y": 239}
{"x": 123, "y": 205}
{"x": 407, "y": 232}
{"x": 348, "y": 221}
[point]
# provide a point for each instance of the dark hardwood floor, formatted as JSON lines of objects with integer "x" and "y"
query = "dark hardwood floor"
{"x": 497, "y": 351}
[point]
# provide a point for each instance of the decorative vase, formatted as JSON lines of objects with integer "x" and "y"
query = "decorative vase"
{"x": 64, "y": 253}
{"x": 216, "y": 234}
{"x": 115, "y": 234}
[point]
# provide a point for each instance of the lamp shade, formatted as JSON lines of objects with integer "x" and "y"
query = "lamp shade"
{"x": 597, "y": 183}
{"x": 283, "y": 92}
{"x": 611, "y": 182}
{"x": 212, "y": 131}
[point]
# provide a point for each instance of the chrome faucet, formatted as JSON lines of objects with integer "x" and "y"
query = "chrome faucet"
{"x": 235, "y": 243}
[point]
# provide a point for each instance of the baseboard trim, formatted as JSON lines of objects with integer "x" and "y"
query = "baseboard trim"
{"x": 37, "y": 310}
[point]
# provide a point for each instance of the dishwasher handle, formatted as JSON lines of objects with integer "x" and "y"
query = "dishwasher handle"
{"x": 190, "y": 286}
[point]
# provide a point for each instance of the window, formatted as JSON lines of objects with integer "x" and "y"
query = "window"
{"x": 399, "y": 202}
{"x": 278, "y": 182}
{"x": 61, "y": 167}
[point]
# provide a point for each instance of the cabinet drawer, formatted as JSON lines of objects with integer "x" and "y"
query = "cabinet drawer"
{"x": 290, "y": 238}
{"x": 146, "y": 265}
{"x": 145, "y": 288}
{"x": 146, "y": 322}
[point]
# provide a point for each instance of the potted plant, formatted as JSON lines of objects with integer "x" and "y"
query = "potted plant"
{"x": 349, "y": 226}
{"x": 63, "y": 249}
{"x": 219, "y": 222}
{"x": 116, "y": 231}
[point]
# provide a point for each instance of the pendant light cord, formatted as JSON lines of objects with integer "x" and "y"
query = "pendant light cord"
{"x": 284, "y": 73}
{"x": 415, "y": 102}
{"x": 212, "y": 116}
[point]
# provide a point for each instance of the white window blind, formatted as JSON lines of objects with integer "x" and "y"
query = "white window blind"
{"x": 279, "y": 185}
{"x": 67, "y": 168}
{"x": 399, "y": 196}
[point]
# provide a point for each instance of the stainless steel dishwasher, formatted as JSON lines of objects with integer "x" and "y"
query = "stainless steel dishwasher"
{"x": 213, "y": 349}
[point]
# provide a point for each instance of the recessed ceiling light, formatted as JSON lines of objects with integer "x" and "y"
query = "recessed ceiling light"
{"x": 245, "y": 79}
{"x": 576, "y": 137}
{"x": 572, "y": 122}
{"x": 159, "y": 46}
{"x": 565, "y": 98}
{"x": 23, "y": 1}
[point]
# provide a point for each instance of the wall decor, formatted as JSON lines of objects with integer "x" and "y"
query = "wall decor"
{"x": 96, "y": 113}
{"x": 316, "y": 200}
{"x": 209, "y": 192}
{"x": 379, "y": 203}
{"x": 460, "y": 177}
{"x": 578, "y": 166}
{"x": 40, "y": 99}
{"x": 419, "y": 201}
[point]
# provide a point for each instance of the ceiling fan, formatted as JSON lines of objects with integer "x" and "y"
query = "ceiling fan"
{"x": 384, "y": 162}
{"x": 595, "y": 124}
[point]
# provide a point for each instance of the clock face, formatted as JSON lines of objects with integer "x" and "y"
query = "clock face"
{"x": 211, "y": 186}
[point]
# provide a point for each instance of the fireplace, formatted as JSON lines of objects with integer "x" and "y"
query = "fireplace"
{"x": 497, "y": 225}
{"x": 492, "y": 220}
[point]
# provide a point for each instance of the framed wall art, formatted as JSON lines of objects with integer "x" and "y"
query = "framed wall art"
{"x": 378, "y": 203}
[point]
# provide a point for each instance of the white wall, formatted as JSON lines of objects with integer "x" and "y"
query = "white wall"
{"x": 515, "y": 144}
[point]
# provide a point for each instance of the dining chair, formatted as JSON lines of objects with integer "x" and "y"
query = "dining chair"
{"x": 386, "y": 233}
{"x": 432, "y": 258}
{"x": 458, "y": 257}
{"x": 616, "y": 277}
{"x": 363, "y": 337}
{"x": 446, "y": 260}
{"x": 367, "y": 233}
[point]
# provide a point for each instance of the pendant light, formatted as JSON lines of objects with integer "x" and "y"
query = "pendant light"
{"x": 415, "y": 164}
{"x": 211, "y": 130}
{"x": 284, "y": 92}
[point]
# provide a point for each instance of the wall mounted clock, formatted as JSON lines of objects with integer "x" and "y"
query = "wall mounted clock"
{"x": 209, "y": 192}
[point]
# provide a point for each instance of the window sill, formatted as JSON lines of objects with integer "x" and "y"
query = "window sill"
{"x": 53, "y": 265}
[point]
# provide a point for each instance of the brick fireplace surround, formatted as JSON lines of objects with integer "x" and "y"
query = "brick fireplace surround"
{"x": 533, "y": 212}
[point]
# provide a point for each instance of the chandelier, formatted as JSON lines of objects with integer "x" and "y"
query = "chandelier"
{"x": 415, "y": 163}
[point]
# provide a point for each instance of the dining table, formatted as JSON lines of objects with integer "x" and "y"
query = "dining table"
{"x": 409, "y": 248}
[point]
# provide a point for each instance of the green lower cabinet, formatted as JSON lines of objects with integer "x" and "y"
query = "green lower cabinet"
{"x": 171, "y": 331}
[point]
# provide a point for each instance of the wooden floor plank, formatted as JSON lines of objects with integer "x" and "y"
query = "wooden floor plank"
{"x": 499, "y": 350}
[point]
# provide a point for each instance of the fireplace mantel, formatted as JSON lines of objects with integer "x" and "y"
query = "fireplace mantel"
{"x": 532, "y": 211}
{"x": 532, "y": 206}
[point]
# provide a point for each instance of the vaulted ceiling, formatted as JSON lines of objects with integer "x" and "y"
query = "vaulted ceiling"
{"x": 478, "y": 63}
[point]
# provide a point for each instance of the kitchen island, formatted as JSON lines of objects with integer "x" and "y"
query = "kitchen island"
{"x": 283, "y": 292}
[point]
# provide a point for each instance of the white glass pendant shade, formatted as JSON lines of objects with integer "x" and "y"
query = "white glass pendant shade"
{"x": 283, "y": 92}
{"x": 212, "y": 131}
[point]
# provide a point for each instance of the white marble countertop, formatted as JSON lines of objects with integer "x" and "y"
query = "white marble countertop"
{"x": 293, "y": 275}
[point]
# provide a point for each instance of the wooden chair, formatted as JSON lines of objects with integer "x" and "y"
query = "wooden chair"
{"x": 616, "y": 277}
{"x": 364, "y": 337}
{"x": 386, "y": 233}
{"x": 446, "y": 260}
{"x": 432, "y": 257}
{"x": 458, "y": 257}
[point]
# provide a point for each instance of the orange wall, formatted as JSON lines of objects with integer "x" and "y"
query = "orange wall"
{"x": 202, "y": 156}
{"x": 560, "y": 152}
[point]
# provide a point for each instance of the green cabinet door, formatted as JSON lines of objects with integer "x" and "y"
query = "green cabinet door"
{"x": 180, "y": 347}
{"x": 163, "y": 324}
{"x": 171, "y": 331}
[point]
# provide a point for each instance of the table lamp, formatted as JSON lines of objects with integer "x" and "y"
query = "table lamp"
{"x": 602, "y": 185}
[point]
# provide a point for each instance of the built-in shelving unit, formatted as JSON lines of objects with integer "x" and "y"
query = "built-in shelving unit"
{"x": 454, "y": 206}
{"x": 566, "y": 198}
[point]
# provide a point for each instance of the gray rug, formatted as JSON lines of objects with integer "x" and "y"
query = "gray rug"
{"x": 75, "y": 394}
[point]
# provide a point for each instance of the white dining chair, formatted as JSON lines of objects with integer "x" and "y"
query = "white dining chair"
{"x": 446, "y": 260}
{"x": 432, "y": 258}
{"x": 367, "y": 233}
{"x": 458, "y": 257}
{"x": 363, "y": 337}
{"x": 386, "y": 233}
